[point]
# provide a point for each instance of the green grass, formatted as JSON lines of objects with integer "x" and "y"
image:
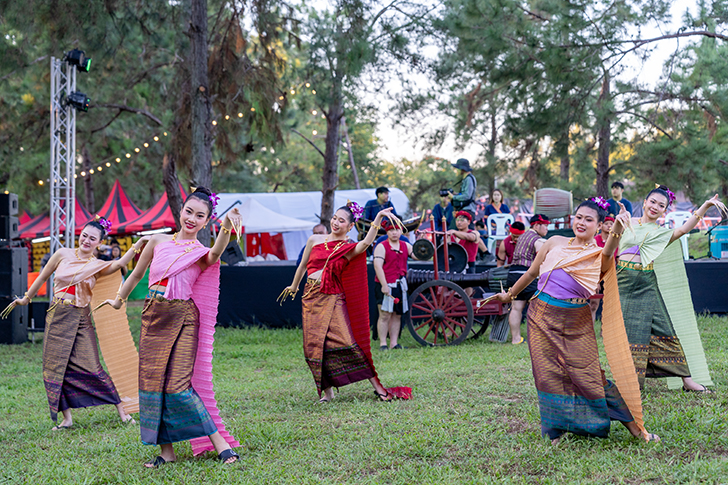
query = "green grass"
{"x": 474, "y": 419}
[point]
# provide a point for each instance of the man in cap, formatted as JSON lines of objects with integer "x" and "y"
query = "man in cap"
{"x": 465, "y": 199}
{"x": 374, "y": 206}
{"x": 524, "y": 254}
{"x": 508, "y": 245}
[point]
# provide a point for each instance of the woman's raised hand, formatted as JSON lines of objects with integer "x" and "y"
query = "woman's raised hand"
{"x": 624, "y": 218}
{"x": 715, "y": 201}
{"x": 17, "y": 301}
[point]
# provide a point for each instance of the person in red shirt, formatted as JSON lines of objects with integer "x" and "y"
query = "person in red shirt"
{"x": 504, "y": 256}
{"x": 467, "y": 238}
{"x": 390, "y": 266}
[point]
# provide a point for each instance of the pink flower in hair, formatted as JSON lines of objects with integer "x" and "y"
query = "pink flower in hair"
{"x": 671, "y": 196}
{"x": 214, "y": 200}
{"x": 601, "y": 202}
{"x": 355, "y": 209}
{"x": 105, "y": 223}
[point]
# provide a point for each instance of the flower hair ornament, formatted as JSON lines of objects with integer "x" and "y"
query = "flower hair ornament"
{"x": 214, "y": 200}
{"x": 670, "y": 194}
{"x": 355, "y": 209}
{"x": 600, "y": 202}
{"x": 104, "y": 222}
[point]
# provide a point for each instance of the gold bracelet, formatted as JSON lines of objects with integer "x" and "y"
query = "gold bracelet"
{"x": 615, "y": 235}
{"x": 118, "y": 296}
{"x": 225, "y": 230}
{"x": 511, "y": 295}
{"x": 30, "y": 300}
{"x": 698, "y": 216}
{"x": 377, "y": 226}
{"x": 137, "y": 251}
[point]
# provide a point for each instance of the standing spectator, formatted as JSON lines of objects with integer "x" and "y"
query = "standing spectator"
{"x": 116, "y": 254}
{"x": 617, "y": 191}
{"x": 317, "y": 229}
{"x": 508, "y": 245}
{"x": 443, "y": 209}
{"x": 374, "y": 206}
{"x": 390, "y": 266}
{"x": 465, "y": 199}
{"x": 523, "y": 256}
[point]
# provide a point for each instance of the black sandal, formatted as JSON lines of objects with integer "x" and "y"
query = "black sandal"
{"x": 156, "y": 462}
{"x": 226, "y": 454}
{"x": 704, "y": 390}
{"x": 386, "y": 397}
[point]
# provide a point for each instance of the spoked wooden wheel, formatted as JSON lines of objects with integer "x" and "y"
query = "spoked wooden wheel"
{"x": 480, "y": 325}
{"x": 440, "y": 314}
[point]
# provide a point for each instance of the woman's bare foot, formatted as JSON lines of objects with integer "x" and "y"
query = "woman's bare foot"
{"x": 556, "y": 441}
{"x": 637, "y": 433}
{"x": 691, "y": 386}
{"x": 166, "y": 454}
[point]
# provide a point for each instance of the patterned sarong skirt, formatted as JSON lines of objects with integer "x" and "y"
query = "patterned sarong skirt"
{"x": 331, "y": 352}
{"x": 72, "y": 372}
{"x": 655, "y": 348}
{"x": 573, "y": 394}
{"x": 170, "y": 409}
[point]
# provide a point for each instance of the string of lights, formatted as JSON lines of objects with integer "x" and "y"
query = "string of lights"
{"x": 158, "y": 136}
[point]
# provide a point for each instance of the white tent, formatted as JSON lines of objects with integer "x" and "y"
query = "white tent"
{"x": 257, "y": 218}
{"x": 303, "y": 206}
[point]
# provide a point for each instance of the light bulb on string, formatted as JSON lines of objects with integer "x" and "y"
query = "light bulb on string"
{"x": 91, "y": 171}
{"x": 83, "y": 174}
{"x": 315, "y": 132}
{"x": 165, "y": 133}
{"x": 314, "y": 112}
{"x": 146, "y": 145}
{"x": 308, "y": 85}
{"x": 40, "y": 182}
{"x": 313, "y": 91}
{"x": 280, "y": 98}
{"x": 137, "y": 150}
{"x": 227, "y": 117}
{"x": 252, "y": 109}
{"x": 156, "y": 138}
{"x": 99, "y": 168}
{"x": 128, "y": 155}
{"x": 108, "y": 164}
{"x": 118, "y": 160}
{"x": 214, "y": 123}
{"x": 240, "y": 115}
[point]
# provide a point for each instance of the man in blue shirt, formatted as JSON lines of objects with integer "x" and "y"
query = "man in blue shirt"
{"x": 443, "y": 209}
{"x": 375, "y": 206}
{"x": 617, "y": 190}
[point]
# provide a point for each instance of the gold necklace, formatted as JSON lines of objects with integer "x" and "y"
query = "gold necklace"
{"x": 77, "y": 257}
{"x": 326, "y": 244}
{"x": 174, "y": 240}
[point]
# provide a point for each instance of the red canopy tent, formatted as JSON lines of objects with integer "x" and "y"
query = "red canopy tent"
{"x": 118, "y": 208}
{"x": 40, "y": 226}
{"x": 158, "y": 217}
{"x": 24, "y": 217}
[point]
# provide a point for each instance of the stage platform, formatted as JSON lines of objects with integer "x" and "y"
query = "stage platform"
{"x": 248, "y": 293}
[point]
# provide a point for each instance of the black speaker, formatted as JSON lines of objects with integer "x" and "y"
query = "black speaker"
{"x": 13, "y": 271}
{"x": 14, "y": 329}
{"x": 8, "y": 227}
{"x": 232, "y": 254}
{"x": 8, "y": 204}
{"x": 37, "y": 311}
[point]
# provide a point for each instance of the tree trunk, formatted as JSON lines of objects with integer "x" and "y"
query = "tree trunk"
{"x": 201, "y": 105}
{"x": 171, "y": 185}
{"x": 351, "y": 154}
{"x": 490, "y": 183}
{"x": 562, "y": 151}
{"x": 330, "y": 177}
{"x": 88, "y": 184}
{"x": 604, "y": 124}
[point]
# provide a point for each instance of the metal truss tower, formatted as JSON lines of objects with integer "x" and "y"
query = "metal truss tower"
{"x": 63, "y": 153}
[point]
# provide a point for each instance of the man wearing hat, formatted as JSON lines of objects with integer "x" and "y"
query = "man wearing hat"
{"x": 465, "y": 199}
{"x": 374, "y": 206}
{"x": 390, "y": 287}
{"x": 523, "y": 256}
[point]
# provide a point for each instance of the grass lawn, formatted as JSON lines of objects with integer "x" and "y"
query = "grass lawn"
{"x": 474, "y": 419}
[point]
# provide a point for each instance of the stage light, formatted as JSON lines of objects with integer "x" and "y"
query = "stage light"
{"x": 78, "y": 58}
{"x": 79, "y": 101}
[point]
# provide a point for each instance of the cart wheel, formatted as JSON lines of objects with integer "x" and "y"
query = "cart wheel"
{"x": 440, "y": 313}
{"x": 480, "y": 325}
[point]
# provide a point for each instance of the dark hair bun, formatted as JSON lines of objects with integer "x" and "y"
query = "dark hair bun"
{"x": 204, "y": 190}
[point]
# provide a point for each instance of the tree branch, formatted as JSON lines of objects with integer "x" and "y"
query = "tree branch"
{"x": 645, "y": 119}
{"x": 122, "y": 107}
{"x": 312, "y": 143}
